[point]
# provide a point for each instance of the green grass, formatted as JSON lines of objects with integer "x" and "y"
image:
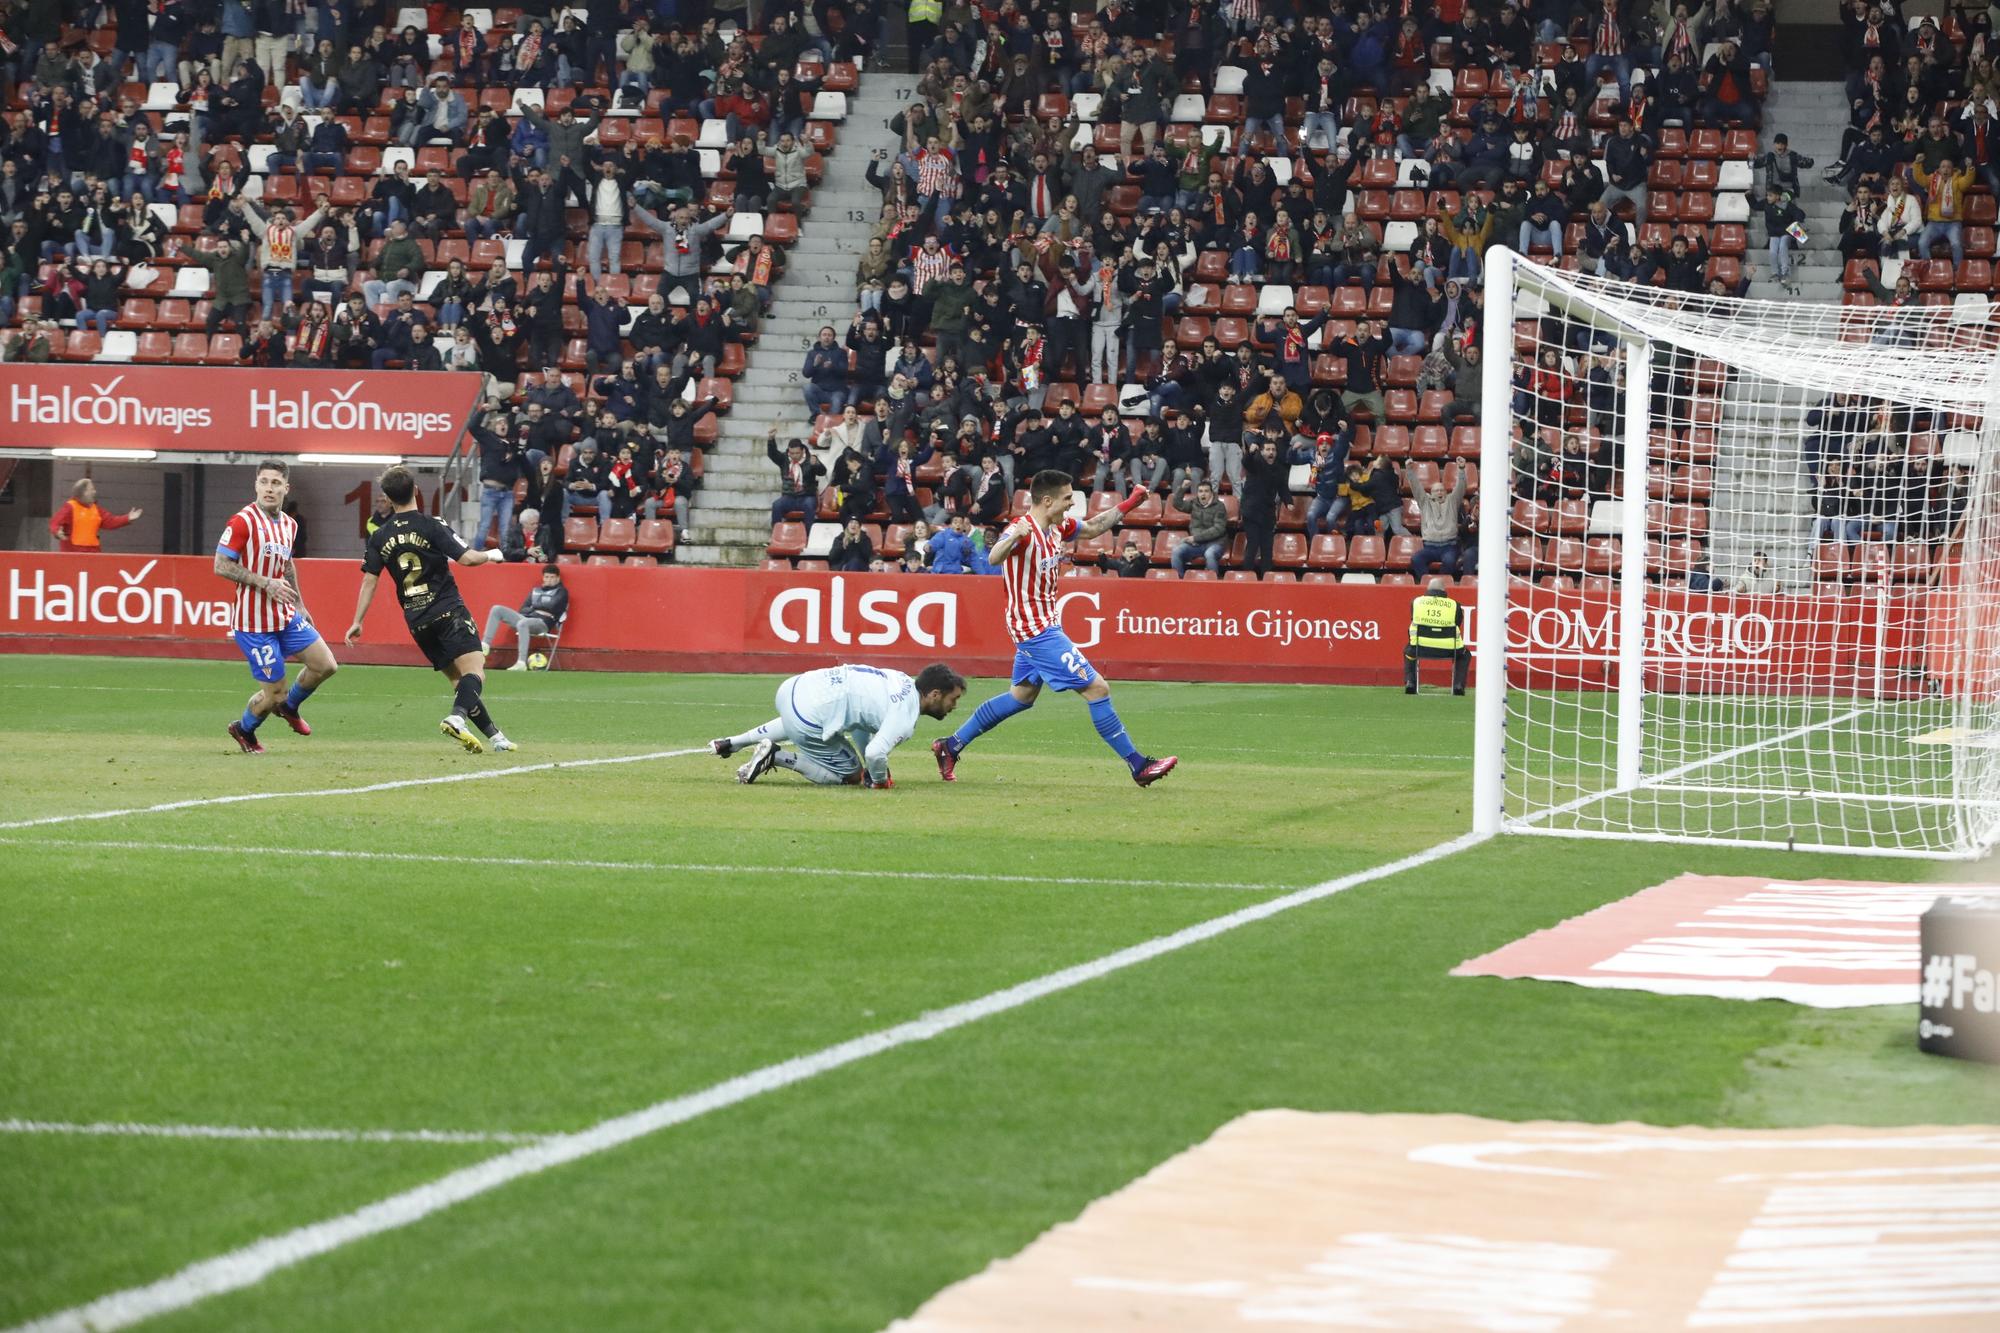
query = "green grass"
{"x": 151, "y": 983}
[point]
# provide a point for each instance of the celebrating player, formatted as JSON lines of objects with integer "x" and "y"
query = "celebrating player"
{"x": 269, "y": 620}
{"x": 842, "y": 722}
{"x": 420, "y": 550}
{"x": 1030, "y": 554}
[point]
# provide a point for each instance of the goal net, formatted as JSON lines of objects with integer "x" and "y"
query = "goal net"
{"x": 1750, "y": 554}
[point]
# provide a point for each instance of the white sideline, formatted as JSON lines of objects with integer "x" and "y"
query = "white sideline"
{"x": 672, "y": 867}
{"x": 470, "y": 775}
{"x": 250, "y": 1264}
{"x": 123, "y": 1129}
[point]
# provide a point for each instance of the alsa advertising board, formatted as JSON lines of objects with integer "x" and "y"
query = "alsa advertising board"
{"x": 739, "y": 620}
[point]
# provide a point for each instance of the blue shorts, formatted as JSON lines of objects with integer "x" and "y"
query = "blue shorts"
{"x": 1051, "y": 659}
{"x": 267, "y": 652}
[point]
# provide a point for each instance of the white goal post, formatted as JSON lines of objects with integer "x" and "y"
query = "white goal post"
{"x": 1739, "y": 567}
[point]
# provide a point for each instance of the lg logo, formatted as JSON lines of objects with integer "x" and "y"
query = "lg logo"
{"x": 1089, "y": 638}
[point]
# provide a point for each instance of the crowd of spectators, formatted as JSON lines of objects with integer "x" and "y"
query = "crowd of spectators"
{"x": 1917, "y": 161}
{"x": 500, "y": 245}
{"x": 1879, "y": 475}
{"x": 313, "y": 265}
{"x": 1039, "y": 290}
{"x": 1920, "y": 134}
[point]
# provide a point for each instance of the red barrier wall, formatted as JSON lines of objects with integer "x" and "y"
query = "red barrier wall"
{"x": 744, "y": 620}
{"x": 628, "y": 618}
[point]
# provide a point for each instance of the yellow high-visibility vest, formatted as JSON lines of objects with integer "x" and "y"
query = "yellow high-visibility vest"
{"x": 1434, "y": 623}
{"x": 926, "y": 11}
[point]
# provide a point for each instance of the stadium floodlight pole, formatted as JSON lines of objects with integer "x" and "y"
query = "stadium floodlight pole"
{"x": 1632, "y": 564}
{"x": 1496, "y": 469}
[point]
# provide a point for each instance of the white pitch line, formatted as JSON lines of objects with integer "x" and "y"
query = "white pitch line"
{"x": 119, "y": 689}
{"x": 684, "y": 867}
{"x": 252, "y": 1263}
{"x": 123, "y": 1129}
{"x": 471, "y": 775}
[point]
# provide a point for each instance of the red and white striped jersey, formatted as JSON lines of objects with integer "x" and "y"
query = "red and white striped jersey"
{"x": 262, "y": 545}
{"x": 1032, "y": 570}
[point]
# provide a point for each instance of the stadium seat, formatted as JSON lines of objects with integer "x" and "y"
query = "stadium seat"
{"x": 787, "y": 540}
{"x": 654, "y": 536}
{"x": 616, "y": 534}
{"x": 580, "y": 533}
{"x": 1328, "y": 551}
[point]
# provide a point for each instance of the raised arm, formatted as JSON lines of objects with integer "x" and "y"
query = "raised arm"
{"x": 640, "y": 215}
{"x": 1009, "y": 539}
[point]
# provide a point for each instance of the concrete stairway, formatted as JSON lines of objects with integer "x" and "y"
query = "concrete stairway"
{"x": 1813, "y": 116}
{"x": 1762, "y": 499}
{"x": 732, "y": 511}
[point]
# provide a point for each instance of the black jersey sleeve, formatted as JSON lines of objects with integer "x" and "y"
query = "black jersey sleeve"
{"x": 443, "y": 538}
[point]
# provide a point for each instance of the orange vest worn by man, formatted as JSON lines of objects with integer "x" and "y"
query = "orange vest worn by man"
{"x": 79, "y": 519}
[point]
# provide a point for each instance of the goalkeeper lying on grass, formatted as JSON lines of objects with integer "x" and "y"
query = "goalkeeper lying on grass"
{"x": 841, "y": 723}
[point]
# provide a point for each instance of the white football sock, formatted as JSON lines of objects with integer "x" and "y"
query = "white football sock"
{"x": 774, "y": 730}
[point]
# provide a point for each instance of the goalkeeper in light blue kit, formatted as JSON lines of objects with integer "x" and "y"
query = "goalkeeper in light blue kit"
{"x": 842, "y": 722}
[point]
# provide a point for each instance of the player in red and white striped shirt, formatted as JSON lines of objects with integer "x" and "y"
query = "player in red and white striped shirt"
{"x": 1030, "y": 556}
{"x": 269, "y": 621}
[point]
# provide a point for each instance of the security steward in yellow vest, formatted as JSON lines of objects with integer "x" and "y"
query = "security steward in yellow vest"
{"x": 1437, "y": 630}
{"x": 921, "y": 25}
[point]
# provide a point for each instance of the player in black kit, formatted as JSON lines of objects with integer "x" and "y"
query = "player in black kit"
{"x": 418, "y": 551}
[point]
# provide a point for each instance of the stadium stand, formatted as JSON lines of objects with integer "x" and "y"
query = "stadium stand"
{"x": 1907, "y": 153}
{"x": 1152, "y": 189}
{"x": 175, "y": 173}
{"x": 1232, "y": 192}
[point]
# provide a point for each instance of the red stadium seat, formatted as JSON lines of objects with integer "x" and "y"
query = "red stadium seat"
{"x": 616, "y": 534}
{"x": 787, "y": 540}
{"x": 1365, "y": 553}
{"x": 654, "y": 536}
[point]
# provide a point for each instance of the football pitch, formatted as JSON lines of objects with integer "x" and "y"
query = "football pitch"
{"x": 773, "y": 1057}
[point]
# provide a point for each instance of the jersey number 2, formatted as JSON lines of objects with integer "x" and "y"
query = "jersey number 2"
{"x": 410, "y": 573}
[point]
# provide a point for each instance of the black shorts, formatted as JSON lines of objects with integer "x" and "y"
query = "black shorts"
{"x": 447, "y": 637}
